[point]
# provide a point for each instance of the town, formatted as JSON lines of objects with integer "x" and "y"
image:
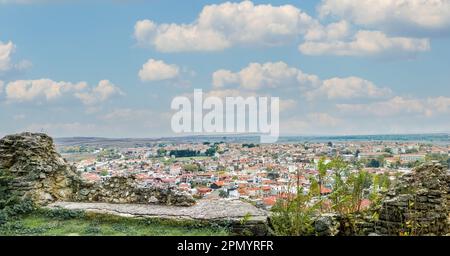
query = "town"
{"x": 257, "y": 173}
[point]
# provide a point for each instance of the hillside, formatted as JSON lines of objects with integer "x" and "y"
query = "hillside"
{"x": 41, "y": 194}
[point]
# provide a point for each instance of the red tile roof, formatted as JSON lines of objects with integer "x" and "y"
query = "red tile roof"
{"x": 325, "y": 190}
{"x": 364, "y": 204}
{"x": 271, "y": 200}
{"x": 203, "y": 190}
{"x": 219, "y": 183}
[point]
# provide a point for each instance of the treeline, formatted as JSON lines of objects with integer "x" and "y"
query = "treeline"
{"x": 184, "y": 153}
{"x": 211, "y": 151}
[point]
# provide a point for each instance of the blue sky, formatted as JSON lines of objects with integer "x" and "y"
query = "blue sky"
{"x": 71, "y": 68}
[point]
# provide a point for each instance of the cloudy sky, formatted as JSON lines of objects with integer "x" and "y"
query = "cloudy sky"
{"x": 112, "y": 68}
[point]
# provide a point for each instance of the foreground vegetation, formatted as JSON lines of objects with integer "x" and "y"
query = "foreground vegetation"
{"x": 20, "y": 217}
{"x": 77, "y": 223}
{"x": 294, "y": 215}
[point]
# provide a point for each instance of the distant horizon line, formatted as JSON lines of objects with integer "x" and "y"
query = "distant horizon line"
{"x": 250, "y": 135}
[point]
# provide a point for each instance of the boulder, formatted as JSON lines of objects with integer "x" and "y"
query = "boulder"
{"x": 38, "y": 171}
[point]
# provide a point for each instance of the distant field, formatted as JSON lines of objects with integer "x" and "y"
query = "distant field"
{"x": 192, "y": 158}
{"x": 439, "y": 138}
{"x": 76, "y": 157}
{"x": 43, "y": 224}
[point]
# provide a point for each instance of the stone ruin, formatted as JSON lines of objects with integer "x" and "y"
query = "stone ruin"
{"x": 41, "y": 174}
{"x": 418, "y": 204}
{"x": 125, "y": 189}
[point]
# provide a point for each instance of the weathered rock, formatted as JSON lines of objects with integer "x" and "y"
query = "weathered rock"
{"x": 418, "y": 204}
{"x": 327, "y": 225}
{"x": 125, "y": 189}
{"x": 39, "y": 172}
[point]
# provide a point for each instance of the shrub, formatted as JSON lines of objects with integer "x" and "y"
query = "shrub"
{"x": 62, "y": 214}
{"x": 93, "y": 229}
{"x": 11, "y": 204}
{"x": 292, "y": 216}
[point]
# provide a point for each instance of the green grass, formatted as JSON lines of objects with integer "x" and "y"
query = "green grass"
{"x": 48, "y": 223}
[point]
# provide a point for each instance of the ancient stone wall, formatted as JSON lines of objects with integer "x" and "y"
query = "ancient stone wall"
{"x": 39, "y": 172}
{"x": 418, "y": 204}
{"x": 125, "y": 189}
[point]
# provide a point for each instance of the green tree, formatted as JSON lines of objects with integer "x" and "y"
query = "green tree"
{"x": 374, "y": 163}
{"x": 349, "y": 188}
{"x": 322, "y": 172}
{"x": 340, "y": 195}
{"x": 380, "y": 183}
{"x": 293, "y": 216}
{"x": 223, "y": 193}
{"x": 211, "y": 151}
{"x": 273, "y": 175}
{"x": 191, "y": 168}
{"x": 161, "y": 152}
{"x": 359, "y": 181}
{"x": 11, "y": 204}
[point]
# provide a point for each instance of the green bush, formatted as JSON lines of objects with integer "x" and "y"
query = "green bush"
{"x": 11, "y": 204}
{"x": 62, "y": 214}
{"x": 293, "y": 216}
{"x": 18, "y": 228}
{"x": 93, "y": 229}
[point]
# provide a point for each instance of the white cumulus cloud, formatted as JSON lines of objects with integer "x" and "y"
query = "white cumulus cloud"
{"x": 258, "y": 76}
{"x": 6, "y": 50}
{"x": 267, "y": 75}
{"x": 220, "y": 26}
{"x": 399, "y": 106}
{"x": 156, "y": 70}
{"x": 102, "y": 92}
{"x": 410, "y": 16}
{"x": 367, "y": 43}
{"x": 27, "y": 90}
{"x": 440, "y": 104}
{"x": 48, "y": 90}
{"x": 6, "y": 63}
{"x": 333, "y": 31}
{"x": 348, "y": 88}
{"x": 222, "y": 77}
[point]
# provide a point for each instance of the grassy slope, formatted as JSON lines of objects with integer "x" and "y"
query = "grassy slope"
{"x": 40, "y": 223}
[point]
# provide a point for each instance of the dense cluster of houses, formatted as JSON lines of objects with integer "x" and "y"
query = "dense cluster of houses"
{"x": 258, "y": 173}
